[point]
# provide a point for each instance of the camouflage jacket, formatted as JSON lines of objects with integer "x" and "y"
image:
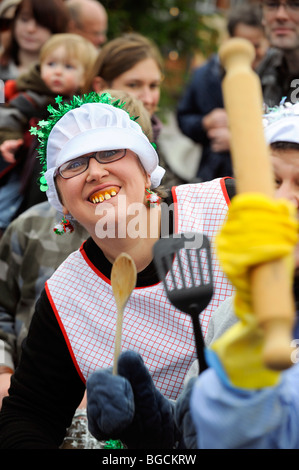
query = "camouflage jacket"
{"x": 30, "y": 252}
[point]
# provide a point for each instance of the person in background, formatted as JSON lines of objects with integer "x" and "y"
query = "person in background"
{"x": 118, "y": 168}
{"x": 33, "y": 24}
{"x": 7, "y": 12}
{"x": 251, "y": 29}
{"x": 133, "y": 63}
{"x": 200, "y": 112}
{"x": 261, "y": 404}
{"x": 279, "y": 71}
{"x": 89, "y": 19}
{"x": 65, "y": 62}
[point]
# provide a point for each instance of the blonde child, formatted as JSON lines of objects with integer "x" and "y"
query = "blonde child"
{"x": 65, "y": 62}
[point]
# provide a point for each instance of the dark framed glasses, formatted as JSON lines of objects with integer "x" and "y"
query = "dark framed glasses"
{"x": 80, "y": 164}
{"x": 292, "y": 6}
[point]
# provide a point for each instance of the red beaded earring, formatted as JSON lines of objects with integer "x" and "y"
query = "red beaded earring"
{"x": 152, "y": 198}
{"x": 63, "y": 227}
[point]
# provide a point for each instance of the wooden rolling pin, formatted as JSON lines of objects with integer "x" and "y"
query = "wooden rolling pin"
{"x": 271, "y": 287}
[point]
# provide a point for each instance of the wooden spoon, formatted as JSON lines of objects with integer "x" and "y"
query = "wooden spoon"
{"x": 123, "y": 281}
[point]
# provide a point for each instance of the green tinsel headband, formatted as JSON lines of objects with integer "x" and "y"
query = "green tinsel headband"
{"x": 55, "y": 115}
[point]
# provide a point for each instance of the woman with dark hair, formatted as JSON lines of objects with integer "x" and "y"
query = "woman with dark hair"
{"x": 34, "y": 22}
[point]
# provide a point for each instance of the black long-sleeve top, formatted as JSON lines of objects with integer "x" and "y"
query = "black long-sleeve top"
{"x": 25, "y": 422}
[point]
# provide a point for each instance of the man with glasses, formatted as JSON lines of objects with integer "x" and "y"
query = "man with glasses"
{"x": 279, "y": 71}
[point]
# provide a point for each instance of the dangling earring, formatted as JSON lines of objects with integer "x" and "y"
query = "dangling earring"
{"x": 63, "y": 227}
{"x": 152, "y": 198}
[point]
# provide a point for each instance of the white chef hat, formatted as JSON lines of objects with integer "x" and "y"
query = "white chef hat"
{"x": 282, "y": 123}
{"x": 90, "y": 127}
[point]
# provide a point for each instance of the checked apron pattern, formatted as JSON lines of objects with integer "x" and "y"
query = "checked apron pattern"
{"x": 83, "y": 302}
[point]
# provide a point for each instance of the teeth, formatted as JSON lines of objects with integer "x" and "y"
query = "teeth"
{"x": 102, "y": 197}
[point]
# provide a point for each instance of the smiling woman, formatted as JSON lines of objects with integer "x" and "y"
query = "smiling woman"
{"x": 109, "y": 169}
{"x": 75, "y": 319}
{"x": 281, "y": 21}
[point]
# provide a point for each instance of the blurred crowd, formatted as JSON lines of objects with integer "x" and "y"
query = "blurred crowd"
{"x": 193, "y": 144}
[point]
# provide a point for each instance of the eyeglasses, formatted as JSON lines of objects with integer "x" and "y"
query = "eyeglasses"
{"x": 292, "y": 6}
{"x": 78, "y": 165}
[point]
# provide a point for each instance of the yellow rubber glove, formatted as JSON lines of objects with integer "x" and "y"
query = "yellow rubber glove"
{"x": 258, "y": 229}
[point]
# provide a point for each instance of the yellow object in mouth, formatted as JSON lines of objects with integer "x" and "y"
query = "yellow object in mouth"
{"x": 105, "y": 195}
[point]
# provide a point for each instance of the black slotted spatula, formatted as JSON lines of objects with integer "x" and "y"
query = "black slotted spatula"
{"x": 184, "y": 265}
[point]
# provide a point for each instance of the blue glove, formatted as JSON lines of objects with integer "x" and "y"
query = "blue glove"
{"x": 128, "y": 407}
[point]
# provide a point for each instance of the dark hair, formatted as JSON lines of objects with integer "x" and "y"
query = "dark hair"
{"x": 284, "y": 146}
{"x": 251, "y": 15}
{"x": 51, "y": 14}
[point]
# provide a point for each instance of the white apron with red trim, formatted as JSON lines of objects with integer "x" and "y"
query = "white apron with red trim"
{"x": 84, "y": 305}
